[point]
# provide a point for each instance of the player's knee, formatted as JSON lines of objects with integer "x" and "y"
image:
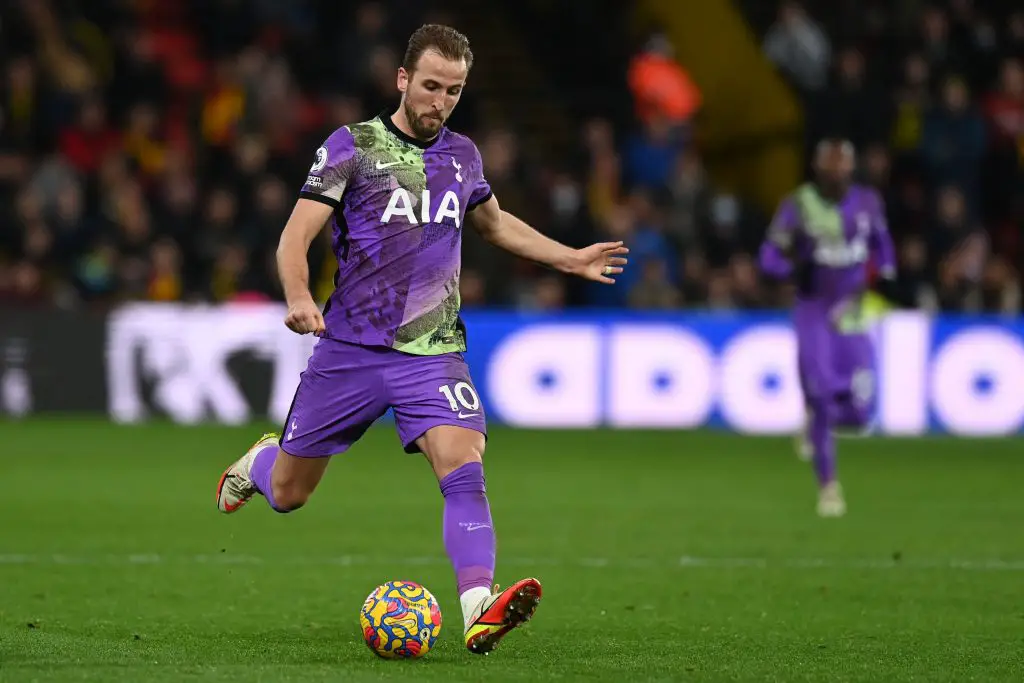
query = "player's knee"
{"x": 446, "y": 462}
{"x": 290, "y": 492}
{"x": 448, "y": 449}
{"x": 289, "y": 496}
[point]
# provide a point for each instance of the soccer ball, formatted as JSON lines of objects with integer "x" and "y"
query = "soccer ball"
{"x": 400, "y": 619}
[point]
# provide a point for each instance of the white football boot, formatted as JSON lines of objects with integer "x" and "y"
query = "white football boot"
{"x": 236, "y": 487}
{"x": 830, "y": 501}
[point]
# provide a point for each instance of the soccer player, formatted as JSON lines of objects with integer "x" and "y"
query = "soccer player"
{"x": 398, "y": 191}
{"x": 823, "y": 236}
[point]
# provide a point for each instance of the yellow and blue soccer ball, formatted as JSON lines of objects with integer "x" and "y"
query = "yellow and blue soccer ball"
{"x": 400, "y": 620}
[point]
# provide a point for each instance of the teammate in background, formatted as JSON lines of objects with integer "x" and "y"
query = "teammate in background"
{"x": 397, "y": 190}
{"x": 823, "y": 237}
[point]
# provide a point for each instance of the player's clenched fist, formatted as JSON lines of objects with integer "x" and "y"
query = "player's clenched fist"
{"x": 305, "y": 317}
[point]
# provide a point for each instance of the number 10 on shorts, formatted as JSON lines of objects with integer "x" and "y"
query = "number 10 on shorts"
{"x": 461, "y": 397}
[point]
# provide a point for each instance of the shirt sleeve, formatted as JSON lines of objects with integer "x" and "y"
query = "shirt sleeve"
{"x": 333, "y": 165}
{"x": 775, "y": 257}
{"x": 882, "y": 248}
{"x": 481, "y": 188}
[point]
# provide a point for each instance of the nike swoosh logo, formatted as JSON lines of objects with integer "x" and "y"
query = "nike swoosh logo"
{"x": 463, "y": 416}
{"x": 381, "y": 166}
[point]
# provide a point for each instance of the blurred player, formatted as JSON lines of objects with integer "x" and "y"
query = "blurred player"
{"x": 823, "y": 236}
{"x": 398, "y": 190}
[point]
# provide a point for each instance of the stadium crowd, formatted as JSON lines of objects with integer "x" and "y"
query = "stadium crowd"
{"x": 158, "y": 158}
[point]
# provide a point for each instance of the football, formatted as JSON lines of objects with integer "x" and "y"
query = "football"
{"x": 400, "y": 620}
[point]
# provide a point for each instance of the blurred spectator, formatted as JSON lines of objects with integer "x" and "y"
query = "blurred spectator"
{"x": 747, "y": 290}
{"x": 661, "y": 87}
{"x": 912, "y": 288}
{"x": 650, "y": 153}
{"x": 546, "y": 294}
{"x": 1005, "y": 107}
{"x": 798, "y": 46}
{"x": 1014, "y": 44}
{"x": 1000, "y": 290}
{"x": 877, "y": 168}
{"x": 852, "y": 107}
{"x": 156, "y": 153}
{"x": 953, "y": 141}
{"x": 472, "y": 289}
{"x": 1004, "y": 110}
{"x": 223, "y": 106}
{"x": 604, "y": 172}
{"x": 694, "y": 286}
{"x": 357, "y": 45}
{"x": 91, "y": 138}
{"x": 936, "y": 46}
{"x": 719, "y": 295}
{"x": 166, "y": 282}
{"x": 19, "y": 106}
{"x": 654, "y": 290}
{"x": 142, "y": 139}
{"x": 912, "y": 99}
{"x": 689, "y": 201}
{"x": 960, "y": 274}
{"x": 953, "y": 225}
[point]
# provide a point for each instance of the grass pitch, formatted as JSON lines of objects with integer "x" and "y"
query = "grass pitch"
{"x": 664, "y": 556}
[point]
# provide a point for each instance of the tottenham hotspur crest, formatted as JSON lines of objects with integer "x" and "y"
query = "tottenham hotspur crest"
{"x": 458, "y": 170}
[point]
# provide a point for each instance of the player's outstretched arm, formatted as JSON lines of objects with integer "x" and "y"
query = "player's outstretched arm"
{"x": 307, "y": 220}
{"x": 882, "y": 249}
{"x": 597, "y": 262}
{"x": 776, "y": 256}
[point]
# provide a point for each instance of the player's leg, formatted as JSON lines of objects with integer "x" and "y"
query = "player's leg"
{"x": 815, "y": 342}
{"x": 340, "y": 394}
{"x": 855, "y": 372}
{"x": 455, "y": 454}
{"x": 286, "y": 481}
{"x": 802, "y": 439}
{"x": 438, "y": 413}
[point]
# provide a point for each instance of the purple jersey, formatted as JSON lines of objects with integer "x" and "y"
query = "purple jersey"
{"x": 827, "y": 246}
{"x": 400, "y": 206}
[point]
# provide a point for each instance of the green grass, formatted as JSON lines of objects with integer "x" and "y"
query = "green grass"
{"x": 664, "y": 556}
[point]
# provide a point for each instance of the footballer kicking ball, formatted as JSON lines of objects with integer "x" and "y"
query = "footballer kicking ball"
{"x": 400, "y": 620}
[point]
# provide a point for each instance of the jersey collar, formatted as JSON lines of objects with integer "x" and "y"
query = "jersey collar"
{"x": 385, "y": 117}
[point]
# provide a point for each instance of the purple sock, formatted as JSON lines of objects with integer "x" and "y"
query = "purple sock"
{"x": 468, "y": 531}
{"x": 262, "y": 467}
{"x": 824, "y": 446}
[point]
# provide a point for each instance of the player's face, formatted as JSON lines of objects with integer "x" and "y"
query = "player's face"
{"x": 835, "y": 169}
{"x": 431, "y": 91}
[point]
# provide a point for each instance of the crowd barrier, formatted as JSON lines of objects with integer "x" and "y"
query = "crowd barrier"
{"x": 736, "y": 371}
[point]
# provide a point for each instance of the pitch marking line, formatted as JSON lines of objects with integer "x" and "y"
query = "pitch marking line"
{"x": 595, "y": 563}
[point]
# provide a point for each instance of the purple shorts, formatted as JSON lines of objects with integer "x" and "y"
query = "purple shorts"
{"x": 345, "y": 388}
{"x": 831, "y": 363}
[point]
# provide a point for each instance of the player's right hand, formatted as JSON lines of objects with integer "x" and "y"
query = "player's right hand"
{"x": 305, "y": 317}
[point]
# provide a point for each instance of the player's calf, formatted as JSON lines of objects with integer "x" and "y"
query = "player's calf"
{"x": 286, "y": 481}
{"x": 291, "y": 480}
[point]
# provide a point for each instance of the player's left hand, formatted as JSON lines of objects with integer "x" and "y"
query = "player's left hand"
{"x": 599, "y": 262}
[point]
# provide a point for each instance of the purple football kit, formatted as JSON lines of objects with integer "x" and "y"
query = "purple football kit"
{"x": 393, "y": 336}
{"x": 825, "y": 248}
